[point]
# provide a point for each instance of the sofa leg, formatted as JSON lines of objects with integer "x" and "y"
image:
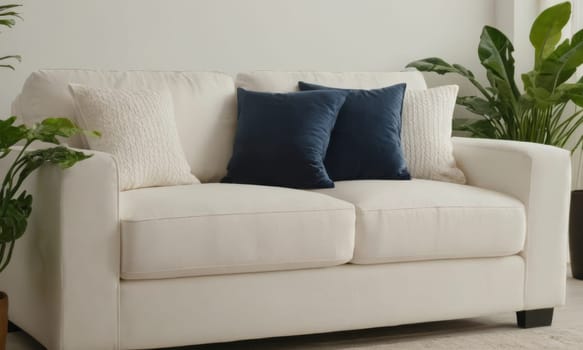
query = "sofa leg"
{"x": 534, "y": 318}
{"x": 13, "y": 328}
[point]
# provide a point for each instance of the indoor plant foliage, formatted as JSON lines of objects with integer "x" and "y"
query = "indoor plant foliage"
{"x": 15, "y": 203}
{"x": 539, "y": 112}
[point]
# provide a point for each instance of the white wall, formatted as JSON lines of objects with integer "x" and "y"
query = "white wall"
{"x": 241, "y": 35}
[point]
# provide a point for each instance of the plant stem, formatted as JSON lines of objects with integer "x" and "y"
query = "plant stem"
{"x": 481, "y": 88}
{"x": 9, "y": 257}
{"x": 7, "y": 183}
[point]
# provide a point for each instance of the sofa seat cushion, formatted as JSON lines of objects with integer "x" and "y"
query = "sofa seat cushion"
{"x": 423, "y": 220}
{"x": 209, "y": 229}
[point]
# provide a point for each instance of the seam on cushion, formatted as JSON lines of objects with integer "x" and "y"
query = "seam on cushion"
{"x": 238, "y": 214}
{"x": 411, "y": 258}
{"x": 448, "y": 207}
{"x": 437, "y": 259}
{"x": 240, "y": 265}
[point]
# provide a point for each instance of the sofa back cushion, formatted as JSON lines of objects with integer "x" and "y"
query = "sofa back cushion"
{"x": 204, "y": 104}
{"x": 269, "y": 81}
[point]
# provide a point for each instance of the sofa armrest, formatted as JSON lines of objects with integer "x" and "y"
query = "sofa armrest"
{"x": 539, "y": 176}
{"x": 63, "y": 280}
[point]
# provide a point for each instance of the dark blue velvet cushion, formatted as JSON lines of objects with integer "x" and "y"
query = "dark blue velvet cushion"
{"x": 366, "y": 141}
{"x": 281, "y": 139}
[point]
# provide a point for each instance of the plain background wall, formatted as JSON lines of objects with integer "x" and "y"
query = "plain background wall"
{"x": 242, "y": 35}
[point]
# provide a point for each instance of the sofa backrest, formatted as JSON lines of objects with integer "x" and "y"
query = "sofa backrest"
{"x": 288, "y": 81}
{"x": 204, "y": 104}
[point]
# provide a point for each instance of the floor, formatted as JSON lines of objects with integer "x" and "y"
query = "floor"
{"x": 492, "y": 332}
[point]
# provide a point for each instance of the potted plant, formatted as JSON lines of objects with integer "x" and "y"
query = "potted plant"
{"x": 16, "y": 203}
{"x": 542, "y": 110}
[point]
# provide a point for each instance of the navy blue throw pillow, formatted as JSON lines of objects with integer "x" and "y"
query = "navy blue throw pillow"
{"x": 366, "y": 141}
{"x": 281, "y": 139}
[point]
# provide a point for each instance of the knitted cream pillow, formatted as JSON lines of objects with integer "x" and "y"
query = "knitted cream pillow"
{"x": 426, "y": 134}
{"x": 139, "y": 130}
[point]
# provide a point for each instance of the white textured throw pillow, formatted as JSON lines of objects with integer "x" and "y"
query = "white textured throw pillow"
{"x": 426, "y": 134}
{"x": 139, "y": 130}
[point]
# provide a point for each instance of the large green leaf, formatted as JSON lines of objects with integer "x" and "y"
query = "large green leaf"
{"x": 561, "y": 64}
{"x": 545, "y": 32}
{"x": 13, "y": 223}
{"x": 478, "y": 105}
{"x": 480, "y": 128}
{"x": 439, "y": 66}
{"x": 529, "y": 79}
{"x": 575, "y": 54}
{"x": 60, "y": 155}
{"x": 573, "y": 92}
{"x": 49, "y": 129}
{"x": 10, "y": 134}
{"x": 495, "y": 53}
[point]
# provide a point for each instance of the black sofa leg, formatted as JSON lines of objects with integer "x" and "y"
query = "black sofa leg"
{"x": 13, "y": 328}
{"x": 534, "y": 318}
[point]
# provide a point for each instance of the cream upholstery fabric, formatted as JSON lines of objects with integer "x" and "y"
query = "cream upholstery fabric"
{"x": 137, "y": 127}
{"x": 233, "y": 307}
{"x": 70, "y": 255}
{"x": 288, "y": 81}
{"x": 63, "y": 279}
{"x": 426, "y": 220}
{"x": 426, "y": 134}
{"x": 228, "y": 228}
{"x": 204, "y": 104}
{"x": 540, "y": 176}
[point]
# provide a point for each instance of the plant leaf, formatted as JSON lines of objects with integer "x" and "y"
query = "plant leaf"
{"x": 11, "y": 134}
{"x": 480, "y": 128}
{"x": 463, "y": 70}
{"x": 10, "y": 14}
{"x": 439, "y": 66}
{"x": 7, "y": 22}
{"x": 561, "y": 64}
{"x": 573, "y": 92}
{"x": 7, "y": 7}
{"x": 478, "y": 106}
{"x": 59, "y": 155}
{"x": 50, "y": 128}
{"x": 432, "y": 64}
{"x": 545, "y": 32}
{"x": 16, "y": 57}
{"x": 13, "y": 224}
{"x": 495, "y": 53}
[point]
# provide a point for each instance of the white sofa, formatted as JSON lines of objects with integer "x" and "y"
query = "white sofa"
{"x": 170, "y": 266}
